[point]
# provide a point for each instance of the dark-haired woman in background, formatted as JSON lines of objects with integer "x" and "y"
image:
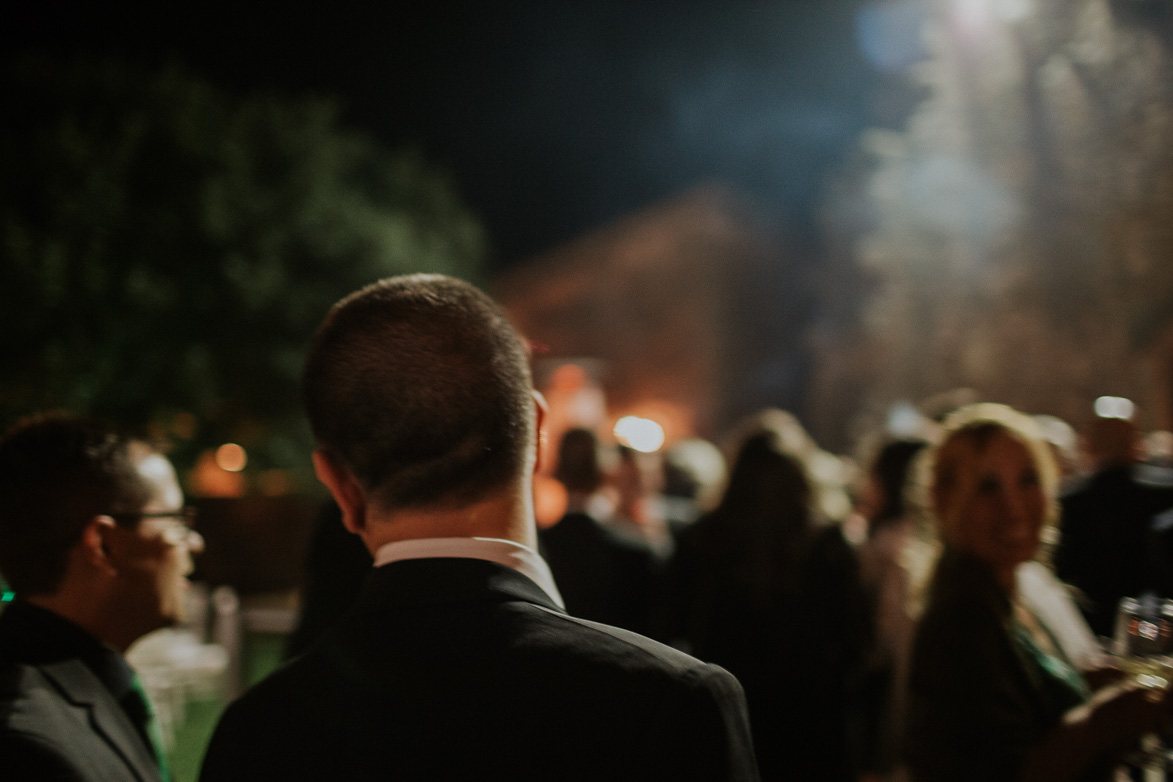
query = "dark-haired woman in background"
{"x": 760, "y": 588}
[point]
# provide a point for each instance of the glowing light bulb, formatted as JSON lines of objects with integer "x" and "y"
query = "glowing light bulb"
{"x": 642, "y": 434}
{"x": 1114, "y": 407}
{"x": 231, "y": 457}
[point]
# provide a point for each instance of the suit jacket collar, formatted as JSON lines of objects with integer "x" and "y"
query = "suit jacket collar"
{"x": 87, "y": 675}
{"x": 33, "y": 635}
{"x": 78, "y": 686}
{"x": 439, "y": 580}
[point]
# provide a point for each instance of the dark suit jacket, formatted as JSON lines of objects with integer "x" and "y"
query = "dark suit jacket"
{"x": 601, "y": 576}
{"x": 1107, "y": 547}
{"x": 464, "y": 669}
{"x": 59, "y": 722}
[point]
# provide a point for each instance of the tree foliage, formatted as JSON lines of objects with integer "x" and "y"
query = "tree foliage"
{"x": 167, "y": 248}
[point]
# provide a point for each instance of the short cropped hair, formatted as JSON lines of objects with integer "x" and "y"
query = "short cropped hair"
{"x": 420, "y": 387}
{"x": 57, "y": 473}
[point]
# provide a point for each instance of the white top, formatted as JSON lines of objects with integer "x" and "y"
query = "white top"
{"x": 1050, "y": 601}
{"x": 504, "y": 552}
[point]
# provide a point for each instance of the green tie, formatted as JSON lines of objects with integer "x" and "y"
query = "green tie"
{"x": 150, "y": 723}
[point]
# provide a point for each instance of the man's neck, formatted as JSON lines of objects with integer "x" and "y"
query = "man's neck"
{"x": 82, "y": 613}
{"x": 506, "y": 516}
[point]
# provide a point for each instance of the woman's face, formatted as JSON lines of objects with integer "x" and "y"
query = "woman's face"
{"x": 1003, "y": 517}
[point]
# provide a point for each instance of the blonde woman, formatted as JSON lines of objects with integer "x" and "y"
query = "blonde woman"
{"x": 992, "y": 696}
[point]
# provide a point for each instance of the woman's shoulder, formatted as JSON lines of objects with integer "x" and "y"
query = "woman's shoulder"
{"x": 965, "y": 615}
{"x": 961, "y": 579}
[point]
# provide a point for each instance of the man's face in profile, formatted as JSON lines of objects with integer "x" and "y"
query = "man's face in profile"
{"x": 154, "y": 556}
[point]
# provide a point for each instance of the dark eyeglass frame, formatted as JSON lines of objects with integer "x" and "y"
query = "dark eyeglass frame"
{"x": 187, "y": 515}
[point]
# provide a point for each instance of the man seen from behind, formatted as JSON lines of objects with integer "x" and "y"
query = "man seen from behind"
{"x": 458, "y": 661}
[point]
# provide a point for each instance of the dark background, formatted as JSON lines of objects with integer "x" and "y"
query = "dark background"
{"x": 553, "y": 118}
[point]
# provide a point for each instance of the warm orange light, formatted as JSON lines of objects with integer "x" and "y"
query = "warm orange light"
{"x": 231, "y": 457}
{"x": 208, "y": 479}
{"x": 550, "y": 501}
{"x": 568, "y": 377}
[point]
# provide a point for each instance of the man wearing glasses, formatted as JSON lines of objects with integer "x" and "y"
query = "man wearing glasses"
{"x": 96, "y": 544}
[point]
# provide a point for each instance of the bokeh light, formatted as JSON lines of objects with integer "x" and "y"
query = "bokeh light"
{"x": 231, "y": 457}
{"x": 1114, "y": 407}
{"x": 642, "y": 434}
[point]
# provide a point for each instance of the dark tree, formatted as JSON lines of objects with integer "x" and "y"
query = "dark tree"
{"x": 166, "y": 248}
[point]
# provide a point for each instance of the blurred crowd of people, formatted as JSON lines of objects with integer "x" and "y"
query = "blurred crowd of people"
{"x": 942, "y": 605}
{"x": 976, "y": 594}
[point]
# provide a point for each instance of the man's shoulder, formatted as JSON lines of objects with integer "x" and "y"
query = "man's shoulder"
{"x": 537, "y": 634}
{"x": 50, "y": 700}
{"x": 532, "y": 651}
{"x": 1089, "y": 497}
{"x": 408, "y": 682}
{"x": 41, "y": 733}
{"x": 594, "y": 643}
{"x": 25, "y": 691}
{"x": 1077, "y": 490}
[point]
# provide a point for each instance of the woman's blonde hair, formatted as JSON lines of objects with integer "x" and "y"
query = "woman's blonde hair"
{"x": 946, "y": 478}
{"x": 951, "y": 478}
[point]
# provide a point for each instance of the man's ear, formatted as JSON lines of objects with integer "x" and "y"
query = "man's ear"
{"x": 344, "y": 488}
{"x": 541, "y": 410}
{"x": 95, "y": 546}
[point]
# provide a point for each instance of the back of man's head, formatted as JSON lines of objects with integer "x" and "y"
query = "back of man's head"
{"x": 1112, "y": 442}
{"x": 56, "y": 474}
{"x": 421, "y": 388}
{"x": 579, "y": 466}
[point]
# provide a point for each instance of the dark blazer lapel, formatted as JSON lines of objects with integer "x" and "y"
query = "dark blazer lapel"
{"x": 79, "y": 686}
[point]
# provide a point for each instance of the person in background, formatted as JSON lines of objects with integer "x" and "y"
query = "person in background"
{"x": 96, "y": 543}
{"x": 694, "y": 475}
{"x": 1108, "y": 548}
{"x": 760, "y": 587}
{"x": 458, "y": 661}
{"x": 336, "y": 565}
{"x": 885, "y": 577}
{"x": 1064, "y": 444}
{"x": 602, "y": 576}
{"x": 638, "y": 515}
{"x": 991, "y": 694}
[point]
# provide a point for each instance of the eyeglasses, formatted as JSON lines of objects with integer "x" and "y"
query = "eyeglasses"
{"x": 179, "y": 532}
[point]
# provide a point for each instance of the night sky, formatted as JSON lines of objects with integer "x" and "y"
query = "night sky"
{"x": 553, "y": 117}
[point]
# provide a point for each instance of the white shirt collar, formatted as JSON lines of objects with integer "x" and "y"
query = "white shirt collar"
{"x": 504, "y": 552}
